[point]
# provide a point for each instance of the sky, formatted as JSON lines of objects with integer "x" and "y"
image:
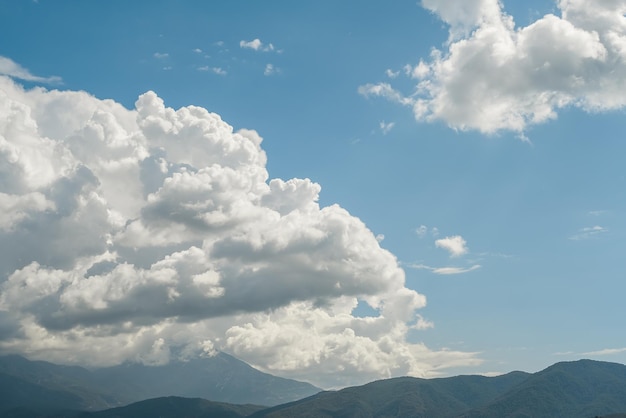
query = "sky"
{"x": 335, "y": 192}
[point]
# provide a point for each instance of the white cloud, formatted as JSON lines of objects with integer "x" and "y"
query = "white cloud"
{"x": 219, "y": 71}
{"x": 446, "y": 270}
{"x": 385, "y": 90}
{"x": 493, "y": 76}
{"x": 270, "y": 69}
{"x": 197, "y": 50}
{"x": 256, "y": 45}
{"x": 161, "y": 55}
{"x": 455, "y": 245}
{"x": 588, "y": 232}
{"x": 606, "y": 352}
{"x": 422, "y": 231}
{"x": 391, "y": 74}
{"x": 147, "y": 232}
{"x": 386, "y": 127}
{"x": 455, "y": 270}
{"x": 10, "y": 68}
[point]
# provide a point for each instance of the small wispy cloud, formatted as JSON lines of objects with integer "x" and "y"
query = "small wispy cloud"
{"x": 10, "y": 68}
{"x": 588, "y": 232}
{"x": 422, "y": 231}
{"x": 270, "y": 69}
{"x": 197, "y": 51}
{"x": 445, "y": 270}
{"x": 386, "y": 127}
{"x": 455, "y": 270}
{"x": 160, "y": 55}
{"x": 391, "y": 74}
{"x": 215, "y": 70}
{"x": 606, "y": 352}
{"x": 455, "y": 245}
{"x": 256, "y": 45}
{"x": 386, "y": 91}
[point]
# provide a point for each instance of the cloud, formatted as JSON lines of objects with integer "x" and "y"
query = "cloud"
{"x": 422, "y": 231}
{"x": 256, "y": 45}
{"x": 215, "y": 70}
{"x": 384, "y": 90}
{"x": 455, "y": 245}
{"x": 10, "y": 68}
{"x": 270, "y": 69}
{"x": 391, "y": 74}
{"x": 446, "y": 270}
{"x": 161, "y": 55}
{"x": 588, "y": 232}
{"x": 493, "y": 76}
{"x": 455, "y": 270}
{"x": 606, "y": 352}
{"x": 386, "y": 127}
{"x": 149, "y": 232}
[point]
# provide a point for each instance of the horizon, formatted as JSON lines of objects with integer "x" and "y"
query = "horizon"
{"x": 332, "y": 193}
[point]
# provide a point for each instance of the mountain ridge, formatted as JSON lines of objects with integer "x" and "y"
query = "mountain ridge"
{"x": 578, "y": 389}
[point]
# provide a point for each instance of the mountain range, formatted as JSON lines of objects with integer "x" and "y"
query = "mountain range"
{"x": 232, "y": 389}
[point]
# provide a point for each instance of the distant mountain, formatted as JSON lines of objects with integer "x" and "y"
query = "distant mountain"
{"x": 401, "y": 397}
{"x": 40, "y": 385}
{"x": 175, "y": 407}
{"x": 220, "y": 378}
{"x": 579, "y": 389}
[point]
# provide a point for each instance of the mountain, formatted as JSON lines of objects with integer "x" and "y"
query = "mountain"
{"x": 176, "y": 407}
{"x": 401, "y": 397}
{"x": 220, "y": 378}
{"x": 41, "y": 385}
{"x": 579, "y": 389}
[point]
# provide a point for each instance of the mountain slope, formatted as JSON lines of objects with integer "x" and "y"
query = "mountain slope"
{"x": 176, "y": 407}
{"x": 401, "y": 397}
{"x": 583, "y": 388}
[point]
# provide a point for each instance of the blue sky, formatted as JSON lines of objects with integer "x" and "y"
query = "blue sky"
{"x": 499, "y": 158}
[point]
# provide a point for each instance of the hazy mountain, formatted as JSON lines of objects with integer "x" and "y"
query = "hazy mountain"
{"x": 223, "y": 378}
{"x": 220, "y": 378}
{"x": 176, "y": 407}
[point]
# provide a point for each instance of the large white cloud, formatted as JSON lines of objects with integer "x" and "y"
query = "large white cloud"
{"x": 155, "y": 232}
{"x": 493, "y": 76}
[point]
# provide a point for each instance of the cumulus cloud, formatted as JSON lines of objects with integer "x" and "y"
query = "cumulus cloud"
{"x": 10, "y": 68}
{"x": 493, "y": 75}
{"x": 256, "y": 45}
{"x": 455, "y": 245}
{"x": 152, "y": 232}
